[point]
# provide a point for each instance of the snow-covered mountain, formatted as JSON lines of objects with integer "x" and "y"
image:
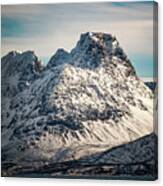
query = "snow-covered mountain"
{"x": 82, "y": 102}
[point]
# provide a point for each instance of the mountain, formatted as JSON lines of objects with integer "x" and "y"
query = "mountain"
{"x": 81, "y": 103}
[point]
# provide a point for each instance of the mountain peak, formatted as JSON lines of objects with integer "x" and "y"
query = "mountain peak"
{"x": 58, "y": 58}
{"x": 95, "y": 49}
{"x": 97, "y": 36}
{"x": 16, "y": 55}
{"x": 14, "y": 52}
{"x": 19, "y": 69}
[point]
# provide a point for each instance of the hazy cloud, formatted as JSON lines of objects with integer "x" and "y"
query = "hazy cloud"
{"x": 44, "y": 28}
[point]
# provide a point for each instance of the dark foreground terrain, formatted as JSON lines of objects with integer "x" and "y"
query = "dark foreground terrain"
{"x": 136, "y": 160}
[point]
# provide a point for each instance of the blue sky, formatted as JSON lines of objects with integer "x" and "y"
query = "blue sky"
{"x": 45, "y": 28}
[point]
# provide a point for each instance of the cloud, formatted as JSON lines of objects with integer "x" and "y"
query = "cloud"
{"x": 135, "y": 38}
{"x": 44, "y": 28}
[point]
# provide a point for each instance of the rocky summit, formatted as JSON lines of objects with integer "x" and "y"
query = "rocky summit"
{"x": 83, "y": 102}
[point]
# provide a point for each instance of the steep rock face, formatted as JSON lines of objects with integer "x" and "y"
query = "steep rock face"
{"x": 98, "y": 49}
{"x": 86, "y": 101}
{"x": 19, "y": 70}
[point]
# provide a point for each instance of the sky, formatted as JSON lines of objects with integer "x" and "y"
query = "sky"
{"x": 45, "y": 28}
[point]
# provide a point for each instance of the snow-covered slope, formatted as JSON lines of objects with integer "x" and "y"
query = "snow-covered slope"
{"x": 83, "y": 102}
